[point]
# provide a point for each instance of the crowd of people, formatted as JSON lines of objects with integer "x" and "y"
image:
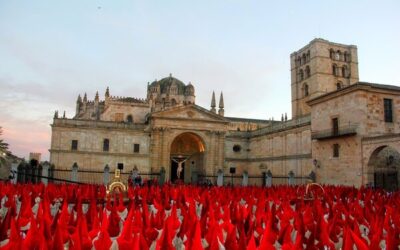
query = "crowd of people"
{"x": 60, "y": 216}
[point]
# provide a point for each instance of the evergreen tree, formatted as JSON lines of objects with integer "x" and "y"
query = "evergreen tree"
{"x": 3, "y": 148}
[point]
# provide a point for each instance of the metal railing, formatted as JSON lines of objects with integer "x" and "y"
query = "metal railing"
{"x": 255, "y": 180}
{"x": 85, "y": 176}
{"x": 348, "y": 130}
{"x": 97, "y": 177}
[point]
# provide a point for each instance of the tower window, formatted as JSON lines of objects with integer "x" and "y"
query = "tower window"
{"x": 307, "y": 72}
{"x": 106, "y": 145}
{"x": 74, "y": 145}
{"x": 332, "y": 54}
{"x": 338, "y": 55}
{"x": 346, "y": 57}
{"x": 304, "y": 59}
{"x": 339, "y": 85}
{"x": 301, "y": 75}
{"x": 305, "y": 89}
{"x": 308, "y": 56}
{"x": 344, "y": 71}
{"x": 136, "y": 148}
{"x": 335, "y": 126}
{"x": 388, "y": 109}
{"x": 335, "y": 150}
{"x": 334, "y": 69}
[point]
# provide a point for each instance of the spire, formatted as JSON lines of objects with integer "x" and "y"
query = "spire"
{"x": 107, "y": 93}
{"x": 285, "y": 116}
{"x": 56, "y": 114}
{"x": 78, "y": 105}
{"x": 221, "y": 101}
{"x": 85, "y": 98}
{"x": 213, "y": 103}
{"x": 96, "y": 98}
{"x": 64, "y": 115}
{"x": 282, "y": 118}
{"x": 221, "y": 105}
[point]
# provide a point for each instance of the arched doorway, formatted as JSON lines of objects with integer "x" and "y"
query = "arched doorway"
{"x": 186, "y": 159}
{"x": 384, "y": 166}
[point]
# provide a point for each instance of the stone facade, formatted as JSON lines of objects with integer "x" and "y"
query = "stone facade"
{"x": 168, "y": 131}
{"x": 318, "y": 68}
{"x": 362, "y": 131}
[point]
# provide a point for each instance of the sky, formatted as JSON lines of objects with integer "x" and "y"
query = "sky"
{"x": 51, "y": 51}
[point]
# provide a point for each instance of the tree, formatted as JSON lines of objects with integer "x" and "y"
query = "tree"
{"x": 3, "y": 148}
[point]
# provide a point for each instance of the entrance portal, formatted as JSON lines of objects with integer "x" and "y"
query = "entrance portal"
{"x": 384, "y": 165}
{"x": 187, "y": 152}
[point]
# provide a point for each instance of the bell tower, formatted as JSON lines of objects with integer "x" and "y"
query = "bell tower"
{"x": 318, "y": 68}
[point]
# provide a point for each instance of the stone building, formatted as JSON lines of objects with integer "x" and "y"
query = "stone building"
{"x": 343, "y": 131}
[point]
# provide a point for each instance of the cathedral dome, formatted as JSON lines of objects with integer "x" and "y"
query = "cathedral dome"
{"x": 166, "y": 83}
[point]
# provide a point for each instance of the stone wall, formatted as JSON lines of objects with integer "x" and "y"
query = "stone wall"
{"x": 280, "y": 149}
{"x": 90, "y": 136}
{"x": 360, "y": 112}
{"x": 137, "y": 111}
{"x": 321, "y": 79}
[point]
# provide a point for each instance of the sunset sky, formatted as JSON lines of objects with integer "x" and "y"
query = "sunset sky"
{"x": 51, "y": 51}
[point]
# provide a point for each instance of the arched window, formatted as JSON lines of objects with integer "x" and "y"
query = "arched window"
{"x": 334, "y": 69}
{"x": 304, "y": 59}
{"x": 106, "y": 145}
{"x": 344, "y": 71}
{"x": 332, "y": 54}
{"x": 339, "y": 85}
{"x": 346, "y": 56}
{"x": 308, "y": 56}
{"x": 307, "y": 72}
{"x": 301, "y": 75}
{"x": 129, "y": 119}
{"x": 305, "y": 89}
{"x": 338, "y": 55}
{"x": 299, "y": 60}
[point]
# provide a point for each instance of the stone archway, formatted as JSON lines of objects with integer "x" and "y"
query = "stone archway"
{"x": 187, "y": 158}
{"x": 384, "y": 167}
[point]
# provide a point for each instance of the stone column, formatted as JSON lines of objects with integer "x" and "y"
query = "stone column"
{"x": 291, "y": 178}
{"x": 161, "y": 180}
{"x": 74, "y": 172}
{"x": 220, "y": 178}
{"x": 45, "y": 173}
{"x": 221, "y": 156}
{"x": 245, "y": 180}
{"x": 165, "y": 152}
{"x": 154, "y": 150}
{"x": 268, "y": 179}
{"x": 106, "y": 175}
{"x": 211, "y": 153}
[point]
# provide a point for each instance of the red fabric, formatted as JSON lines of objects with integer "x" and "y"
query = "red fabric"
{"x": 278, "y": 214}
{"x": 196, "y": 240}
{"x": 360, "y": 244}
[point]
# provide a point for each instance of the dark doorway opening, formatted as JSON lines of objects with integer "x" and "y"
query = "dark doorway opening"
{"x": 386, "y": 180}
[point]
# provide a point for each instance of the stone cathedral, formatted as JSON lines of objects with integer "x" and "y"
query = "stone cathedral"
{"x": 342, "y": 131}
